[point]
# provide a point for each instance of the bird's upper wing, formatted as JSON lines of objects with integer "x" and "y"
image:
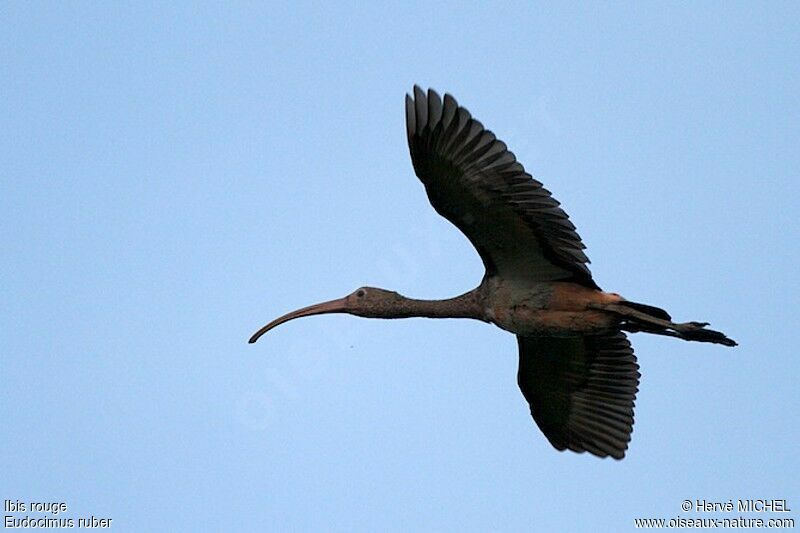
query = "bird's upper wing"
{"x": 476, "y": 183}
{"x": 581, "y": 390}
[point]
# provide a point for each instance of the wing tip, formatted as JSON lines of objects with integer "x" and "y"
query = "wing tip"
{"x": 424, "y": 108}
{"x": 411, "y": 120}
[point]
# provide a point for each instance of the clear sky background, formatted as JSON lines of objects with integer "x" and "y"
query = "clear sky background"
{"x": 174, "y": 175}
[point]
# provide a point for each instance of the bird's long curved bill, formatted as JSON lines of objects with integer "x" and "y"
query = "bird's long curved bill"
{"x": 333, "y": 306}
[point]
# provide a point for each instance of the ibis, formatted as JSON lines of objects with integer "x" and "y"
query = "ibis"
{"x": 577, "y": 369}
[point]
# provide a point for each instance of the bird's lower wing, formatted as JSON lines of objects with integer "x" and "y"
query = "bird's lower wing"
{"x": 581, "y": 390}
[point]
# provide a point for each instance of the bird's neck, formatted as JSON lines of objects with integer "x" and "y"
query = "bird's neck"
{"x": 468, "y": 305}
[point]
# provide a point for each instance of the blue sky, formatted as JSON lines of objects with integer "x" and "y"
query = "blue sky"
{"x": 173, "y": 176}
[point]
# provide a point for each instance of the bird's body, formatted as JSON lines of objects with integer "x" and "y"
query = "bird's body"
{"x": 558, "y": 309}
{"x": 577, "y": 369}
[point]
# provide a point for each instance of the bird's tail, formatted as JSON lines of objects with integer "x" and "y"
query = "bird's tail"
{"x": 641, "y": 317}
{"x": 647, "y": 309}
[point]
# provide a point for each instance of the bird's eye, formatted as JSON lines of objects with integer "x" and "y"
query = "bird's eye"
{"x": 360, "y": 293}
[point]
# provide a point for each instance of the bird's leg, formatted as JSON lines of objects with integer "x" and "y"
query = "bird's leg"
{"x": 634, "y": 320}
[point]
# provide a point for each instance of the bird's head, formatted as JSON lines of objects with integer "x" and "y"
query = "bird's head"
{"x": 370, "y": 302}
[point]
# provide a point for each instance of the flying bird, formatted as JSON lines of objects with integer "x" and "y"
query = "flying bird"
{"x": 577, "y": 369}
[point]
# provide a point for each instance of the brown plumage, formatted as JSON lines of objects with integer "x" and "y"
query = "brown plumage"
{"x": 577, "y": 369}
